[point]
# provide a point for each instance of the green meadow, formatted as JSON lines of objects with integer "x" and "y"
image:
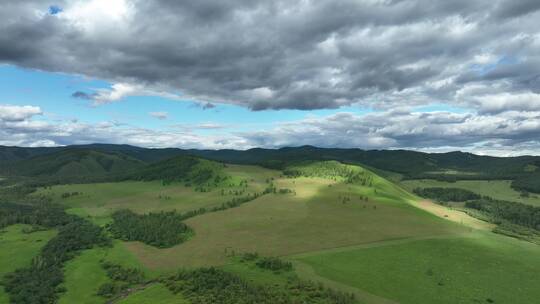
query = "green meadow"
{"x": 342, "y": 225}
{"x": 84, "y": 274}
{"x": 17, "y": 248}
{"x": 482, "y": 268}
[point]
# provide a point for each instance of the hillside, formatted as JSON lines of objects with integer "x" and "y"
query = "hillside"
{"x": 188, "y": 169}
{"x": 410, "y": 164}
{"x": 249, "y": 232}
{"x": 74, "y": 163}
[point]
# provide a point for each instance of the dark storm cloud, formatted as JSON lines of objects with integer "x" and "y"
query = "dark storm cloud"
{"x": 281, "y": 54}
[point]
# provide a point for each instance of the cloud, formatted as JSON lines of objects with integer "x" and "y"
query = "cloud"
{"x": 208, "y": 106}
{"x": 501, "y": 133}
{"x": 406, "y": 129}
{"x": 282, "y": 54}
{"x": 159, "y": 115}
{"x": 9, "y": 113}
{"x": 82, "y": 95}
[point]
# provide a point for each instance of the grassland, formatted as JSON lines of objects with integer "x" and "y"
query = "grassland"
{"x": 17, "y": 249}
{"x": 314, "y": 218}
{"x": 496, "y": 189}
{"x": 363, "y": 235}
{"x": 84, "y": 274}
{"x": 477, "y": 269}
{"x": 97, "y": 201}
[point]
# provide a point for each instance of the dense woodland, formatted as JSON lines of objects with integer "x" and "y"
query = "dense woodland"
{"x": 162, "y": 229}
{"x": 211, "y": 285}
{"x": 190, "y": 170}
{"x": 515, "y": 213}
{"x": 446, "y": 194}
{"x": 528, "y": 183}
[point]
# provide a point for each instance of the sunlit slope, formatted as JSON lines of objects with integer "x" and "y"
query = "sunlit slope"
{"x": 317, "y": 205}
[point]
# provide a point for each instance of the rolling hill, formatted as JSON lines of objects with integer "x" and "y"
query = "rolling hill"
{"x": 74, "y": 163}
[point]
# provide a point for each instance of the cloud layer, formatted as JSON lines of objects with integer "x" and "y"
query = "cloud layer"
{"x": 508, "y": 133}
{"x": 288, "y": 54}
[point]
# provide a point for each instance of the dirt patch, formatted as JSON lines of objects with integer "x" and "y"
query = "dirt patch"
{"x": 454, "y": 215}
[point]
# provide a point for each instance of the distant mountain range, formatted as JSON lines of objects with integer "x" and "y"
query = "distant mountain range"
{"x": 102, "y": 159}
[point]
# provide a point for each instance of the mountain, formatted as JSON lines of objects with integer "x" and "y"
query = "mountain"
{"x": 73, "y": 163}
{"x": 410, "y": 164}
{"x": 184, "y": 168}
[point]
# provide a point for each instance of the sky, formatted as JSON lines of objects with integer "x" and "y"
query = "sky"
{"x": 423, "y": 75}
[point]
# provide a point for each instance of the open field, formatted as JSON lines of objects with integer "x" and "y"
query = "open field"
{"x": 84, "y": 274}
{"x": 312, "y": 219}
{"x": 18, "y": 248}
{"x": 97, "y": 201}
{"x": 477, "y": 269}
{"x": 373, "y": 239}
{"x": 496, "y": 189}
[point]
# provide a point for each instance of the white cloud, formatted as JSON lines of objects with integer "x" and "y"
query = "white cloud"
{"x": 18, "y": 113}
{"x": 159, "y": 115}
{"x": 120, "y": 91}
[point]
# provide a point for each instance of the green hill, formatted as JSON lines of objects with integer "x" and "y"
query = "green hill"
{"x": 74, "y": 163}
{"x": 409, "y": 164}
{"x": 184, "y": 168}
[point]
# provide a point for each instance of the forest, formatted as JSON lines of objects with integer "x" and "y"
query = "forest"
{"x": 162, "y": 229}
{"x": 441, "y": 194}
{"x": 528, "y": 183}
{"x": 515, "y": 213}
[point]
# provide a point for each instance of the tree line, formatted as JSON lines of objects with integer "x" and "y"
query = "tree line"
{"x": 515, "y": 213}
{"x": 446, "y": 194}
{"x": 212, "y": 285}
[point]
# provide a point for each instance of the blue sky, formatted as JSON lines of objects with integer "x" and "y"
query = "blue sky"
{"x": 52, "y": 92}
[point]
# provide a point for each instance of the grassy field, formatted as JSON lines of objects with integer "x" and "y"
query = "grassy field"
{"x": 495, "y": 189}
{"x": 314, "y": 218}
{"x": 477, "y": 269}
{"x": 84, "y": 274}
{"x": 155, "y": 294}
{"x": 98, "y": 200}
{"x": 18, "y": 248}
{"x": 364, "y": 237}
